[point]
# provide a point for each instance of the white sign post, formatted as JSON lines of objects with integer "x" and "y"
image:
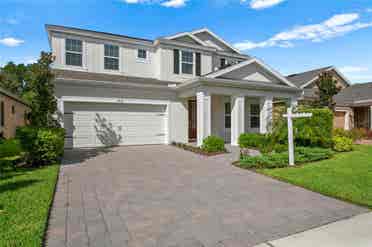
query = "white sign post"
{"x": 290, "y": 115}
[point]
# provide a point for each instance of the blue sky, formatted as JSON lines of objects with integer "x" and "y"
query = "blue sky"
{"x": 289, "y": 35}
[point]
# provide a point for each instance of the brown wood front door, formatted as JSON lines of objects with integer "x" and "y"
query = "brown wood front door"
{"x": 192, "y": 120}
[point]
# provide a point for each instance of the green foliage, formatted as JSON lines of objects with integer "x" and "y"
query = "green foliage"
{"x": 342, "y": 144}
{"x": 43, "y": 102}
{"x": 34, "y": 82}
{"x": 43, "y": 146}
{"x": 315, "y": 131}
{"x": 327, "y": 89}
{"x": 347, "y": 176}
{"x": 10, "y": 148}
{"x": 13, "y": 76}
{"x": 252, "y": 140}
{"x": 354, "y": 134}
{"x": 279, "y": 160}
{"x": 213, "y": 144}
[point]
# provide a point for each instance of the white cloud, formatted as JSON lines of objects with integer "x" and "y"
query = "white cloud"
{"x": 337, "y": 25}
{"x": 174, "y": 3}
{"x": 353, "y": 69}
{"x": 262, "y": 4}
{"x": 11, "y": 42}
{"x": 369, "y": 10}
{"x": 165, "y": 3}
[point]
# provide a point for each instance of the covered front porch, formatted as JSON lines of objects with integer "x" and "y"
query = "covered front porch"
{"x": 227, "y": 112}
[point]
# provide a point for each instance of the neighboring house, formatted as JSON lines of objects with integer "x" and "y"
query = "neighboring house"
{"x": 354, "y": 107}
{"x": 13, "y": 113}
{"x": 120, "y": 90}
{"x": 306, "y": 81}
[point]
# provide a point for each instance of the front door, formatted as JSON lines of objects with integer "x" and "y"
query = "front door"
{"x": 192, "y": 120}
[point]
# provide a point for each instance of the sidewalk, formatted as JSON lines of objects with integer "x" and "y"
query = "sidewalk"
{"x": 352, "y": 232}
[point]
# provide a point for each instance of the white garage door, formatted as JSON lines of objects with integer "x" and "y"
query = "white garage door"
{"x": 97, "y": 124}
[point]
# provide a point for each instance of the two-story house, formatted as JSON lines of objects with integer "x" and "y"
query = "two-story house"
{"x": 119, "y": 90}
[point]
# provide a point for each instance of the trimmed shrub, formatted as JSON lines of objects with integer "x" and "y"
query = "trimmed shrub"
{"x": 43, "y": 146}
{"x": 280, "y": 160}
{"x": 252, "y": 140}
{"x": 213, "y": 144}
{"x": 342, "y": 144}
{"x": 315, "y": 131}
{"x": 10, "y": 148}
{"x": 354, "y": 134}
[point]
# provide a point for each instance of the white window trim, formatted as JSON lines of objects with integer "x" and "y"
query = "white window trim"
{"x": 140, "y": 59}
{"x": 193, "y": 63}
{"x": 118, "y": 57}
{"x": 83, "y": 54}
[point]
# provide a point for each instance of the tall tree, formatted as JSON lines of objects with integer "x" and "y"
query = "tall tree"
{"x": 40, "y": 88}
{"x": 327, "y": 88}
{"x": 12, "y": 77}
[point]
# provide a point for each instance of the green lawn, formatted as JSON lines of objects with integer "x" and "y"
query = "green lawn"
{"x": 347, "y": 176}
{"x": 25, "y": 197}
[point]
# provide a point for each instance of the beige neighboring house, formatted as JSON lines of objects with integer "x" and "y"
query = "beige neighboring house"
{"x": 354, "y": 107}
{"x": 13, "y": 112}
{"x": 343, "y": 115}
{"x": 119, "y": 90}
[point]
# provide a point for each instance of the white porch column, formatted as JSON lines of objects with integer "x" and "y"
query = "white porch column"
{"x": 266, "y": 116}
{"x": 203, "y": 107}
{"x": 237, "y": 118}
{"x": 60, "y": 111}
{"x": 293, "y": 103}
{"x": 347, "y": 120}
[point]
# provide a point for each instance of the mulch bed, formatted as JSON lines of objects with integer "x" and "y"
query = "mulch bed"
{"x": 197, "y": 150}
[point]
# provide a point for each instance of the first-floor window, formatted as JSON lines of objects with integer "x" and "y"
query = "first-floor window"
{"x": 74, "y": 52}
{"x": 187, "y": 62}
{"x": 227, "y": 115}
{"x": 255, "y": 115}
{"x": 111, "y": 57}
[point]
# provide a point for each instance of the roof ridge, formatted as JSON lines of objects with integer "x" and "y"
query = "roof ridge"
{"x": 308, "y": 71}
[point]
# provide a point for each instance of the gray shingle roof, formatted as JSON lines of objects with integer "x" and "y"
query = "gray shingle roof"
{"x": 355, "y": 95}
{"x": 300, "y": 79}
{"x": 13, "y": 96}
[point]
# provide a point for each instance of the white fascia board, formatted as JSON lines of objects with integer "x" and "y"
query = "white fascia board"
{"x": 113, "y": 100}
{"x": 196, "y": 39}
{"x": 309, "y": 82}
{"x": 245, "y": 63}
{"x": 340, "y": 75}
{"x": 216, "y": 37}
{"x": 230, "y": 69}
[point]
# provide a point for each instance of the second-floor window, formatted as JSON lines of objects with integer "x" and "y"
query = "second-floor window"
{"x": 74, "y": 52}
{"x": 187, "y": 62}
{"x": 142, "y": 54}
{"x": 111, "y": 57}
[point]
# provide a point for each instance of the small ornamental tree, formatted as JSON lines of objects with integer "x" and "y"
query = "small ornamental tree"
{"x": 41, "y": 92}
{"x": 327, "y": 87}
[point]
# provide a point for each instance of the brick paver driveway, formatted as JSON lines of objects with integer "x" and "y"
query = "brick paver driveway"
{"x": 166, "y": 197}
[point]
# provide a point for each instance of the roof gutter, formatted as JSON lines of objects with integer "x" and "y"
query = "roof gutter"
{"x": 243, "y": 84}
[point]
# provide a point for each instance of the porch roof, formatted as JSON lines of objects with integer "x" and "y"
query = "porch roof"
{"x": 244, "y": 84}
{"x": 355, "y": 95}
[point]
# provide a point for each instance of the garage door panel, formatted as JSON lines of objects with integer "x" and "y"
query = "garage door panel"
{"x": 95, "y": 125}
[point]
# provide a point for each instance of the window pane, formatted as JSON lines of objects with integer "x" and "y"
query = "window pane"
{"x": 228, "y": 108}
{"x": 255, "y": 109}
{"x": 187, "y": 68}
{"x": 187, "y": 57}
{"x": 228, "y": 122}
{"x": 255, "y": 121}
{"x": 142, "y": 54}
{"x": 74, "y": 59}
{"x": 111, "y": 51}
{"x": 111, "y": 63}
{"x": 73, "y": 45}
